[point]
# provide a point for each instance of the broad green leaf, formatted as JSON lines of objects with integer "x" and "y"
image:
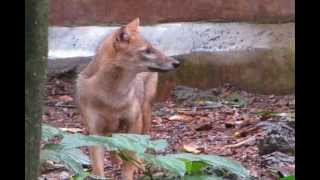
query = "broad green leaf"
{"x": 180, "y": 164}
{"x": 71, "y": 164}
{"x": 215, "y": 161}
{"x": 49, "y": 155}
{"x": 202, "y": 178}
{"x": 236, "y": 100}
{"x": 194, "y": 167}
{"x": 53, "y": 147}
{"x": 61, "y": 157}
{"x": 78, "y": 140}
{"x": 81, "y": 176}
{"x": 48, "y": 132}
{"x": 72, "y": 158}
{"x": 78, "y": 156}
{"x": 172, "y": 164}
{"x": 158, "y": 145}
{"x": 288, "y": 178}
{"x": 132, "y": 142}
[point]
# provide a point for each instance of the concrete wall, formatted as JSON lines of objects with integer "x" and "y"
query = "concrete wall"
{"x": 176, "y": 38}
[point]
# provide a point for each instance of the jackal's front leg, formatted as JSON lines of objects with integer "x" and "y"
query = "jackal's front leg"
{"x": 146, "y": 117}
{"x": 128, "y": 167}
{"x": 97, "y": 125}
{"x": 97, "y": 157}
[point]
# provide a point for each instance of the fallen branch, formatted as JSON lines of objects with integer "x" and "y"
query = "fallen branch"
{"x": 62, "y": 105}
{"x": 245, "y": 142}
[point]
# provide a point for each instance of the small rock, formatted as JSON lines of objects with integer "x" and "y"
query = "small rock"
{"x": 279, "y": 137}
{"x": 64, "y": 175}
{"x": 283, "y": 163}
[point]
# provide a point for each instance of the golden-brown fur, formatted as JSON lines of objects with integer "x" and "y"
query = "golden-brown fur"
{"x": 116, "y": 89}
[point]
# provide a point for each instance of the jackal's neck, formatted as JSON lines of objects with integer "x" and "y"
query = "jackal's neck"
{"x": 115, "y": 79}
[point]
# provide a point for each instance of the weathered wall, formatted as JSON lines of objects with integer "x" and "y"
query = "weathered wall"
{"x": 176, "y": 38}
{"x": 99, "y": 12}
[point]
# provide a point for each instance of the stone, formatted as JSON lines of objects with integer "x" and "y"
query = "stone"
{"x": 280, "y": 137}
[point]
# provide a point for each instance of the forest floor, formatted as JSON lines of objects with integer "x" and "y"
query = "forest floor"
{"x": 255, "y": 129}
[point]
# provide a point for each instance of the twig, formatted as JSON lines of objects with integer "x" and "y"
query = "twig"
{"x": 62, "y": 105}
{"x": 247, "y": 141}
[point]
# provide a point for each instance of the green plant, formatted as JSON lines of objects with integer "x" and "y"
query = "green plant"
{"x": 183, "y": 165}
{"x": 288, "y": 178}
{"x": 236, "y": 100}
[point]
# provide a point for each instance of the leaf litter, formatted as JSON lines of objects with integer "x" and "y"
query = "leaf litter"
{"x": 224, "y": 121}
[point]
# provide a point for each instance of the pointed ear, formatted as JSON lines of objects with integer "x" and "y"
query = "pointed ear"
{"x": 133, "y": 26}
{"x": 123, "y": 35}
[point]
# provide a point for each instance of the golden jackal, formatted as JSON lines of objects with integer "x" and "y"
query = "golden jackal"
{"x": 115, "y": 90}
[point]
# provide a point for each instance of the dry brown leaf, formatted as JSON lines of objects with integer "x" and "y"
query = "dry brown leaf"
{"x": 72, "y": 130}
{"x": 179, "y": 118}
{"x": 192, "y": 148}
{"x": 65, "y": 98}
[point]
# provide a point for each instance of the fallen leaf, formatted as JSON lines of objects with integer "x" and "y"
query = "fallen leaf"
{"x": 192, "y": 148}
{"x": 249, "y": 141}
{"x": 180, "y": 118}
{"x": 72, "y": 130}
{"x": 65, "y": 98}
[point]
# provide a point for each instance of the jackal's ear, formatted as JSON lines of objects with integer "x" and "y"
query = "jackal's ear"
{"x": 123, "y": 35}
{"x": 133, "y": 26}
{"x": 127, "y": 32}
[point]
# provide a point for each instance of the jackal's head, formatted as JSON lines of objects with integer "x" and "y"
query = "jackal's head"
{"x": 138, "y": 54}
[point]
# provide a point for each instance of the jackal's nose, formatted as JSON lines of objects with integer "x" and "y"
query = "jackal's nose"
{"x": 176, "y": 64}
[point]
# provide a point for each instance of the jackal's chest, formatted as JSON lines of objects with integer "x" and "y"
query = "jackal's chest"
{"x": 117, "y": 105}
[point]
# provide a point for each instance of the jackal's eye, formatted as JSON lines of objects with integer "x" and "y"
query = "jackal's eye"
{"x": 148, "y": 51}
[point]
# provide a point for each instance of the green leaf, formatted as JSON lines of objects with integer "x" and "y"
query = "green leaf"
{"x": 158, "y": 145}
{"x": 81, "y": 176}
{"x": 78, "y": 156}
{"x": 193, "y": 177}
{"x": 72, "y": 158}
{"x": 71, "y": 164}
{"x": 174, "y": 165}
{"x": 236, "y": 100}
{"x": 288, "y": 178}
{"x": 53, "y": 147}
{"x": 180, "y": 164}
{"x": 131, "y": 142}
{"x": 267, "y": 113}
{"x": 194, "y": 167}
{"x": 49, "y": 155}
{"x": 48, "y": 132}
{"x": 78, "y": 140}
{"x": 215, "y": 161}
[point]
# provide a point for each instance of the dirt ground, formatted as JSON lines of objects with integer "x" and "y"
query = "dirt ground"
{"x": 223, "y": 121}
